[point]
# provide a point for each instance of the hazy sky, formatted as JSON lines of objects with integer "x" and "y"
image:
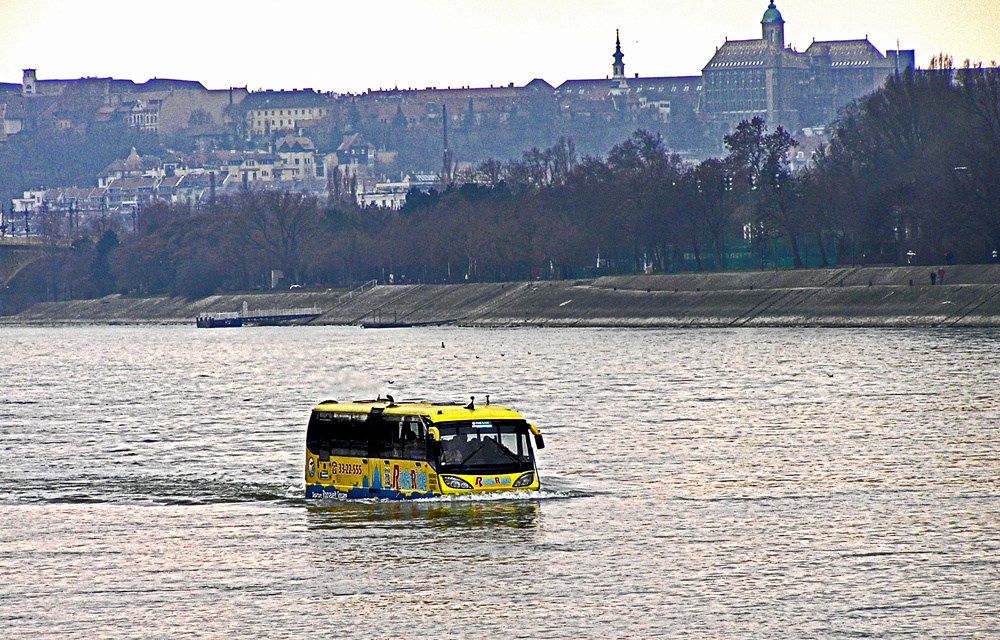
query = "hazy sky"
{"x": 335, "y": 45}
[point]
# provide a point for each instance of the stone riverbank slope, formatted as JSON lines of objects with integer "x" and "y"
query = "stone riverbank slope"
{"x": 838, "y": 297}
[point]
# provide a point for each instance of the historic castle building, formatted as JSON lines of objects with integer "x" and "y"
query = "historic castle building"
{"x": 766, "y": 78}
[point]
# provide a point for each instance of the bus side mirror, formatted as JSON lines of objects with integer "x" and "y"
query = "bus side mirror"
{"x": 434, "y": 434}
{"x": 539, "y": 443}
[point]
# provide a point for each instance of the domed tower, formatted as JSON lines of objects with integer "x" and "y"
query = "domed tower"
{"x": 618, "y": 68}
{"x": 773, "y": 26}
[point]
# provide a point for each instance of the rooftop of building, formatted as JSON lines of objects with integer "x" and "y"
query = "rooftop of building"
{"x": 754, "y": 53}
{"x": 132, "y": 183}
{"x": 294, "y": 144}
{"x": 640, "y": 84}
{"x": 168, "y": 84}
{"x": 134, "y": 162}
{"x": 296, "y": 99}
{"x": 354, "y": 140}
{"x": 847, "y": 53}
{"x": 170, "y": 181}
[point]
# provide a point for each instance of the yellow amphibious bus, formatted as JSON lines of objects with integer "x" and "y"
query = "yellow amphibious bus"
{"x": 380, "y": 449}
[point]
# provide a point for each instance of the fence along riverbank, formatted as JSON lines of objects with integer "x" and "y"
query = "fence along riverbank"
{"x": 844, "y": 297}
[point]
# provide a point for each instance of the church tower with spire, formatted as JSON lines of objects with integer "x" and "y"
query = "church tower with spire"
{"x": 618, "y": 68}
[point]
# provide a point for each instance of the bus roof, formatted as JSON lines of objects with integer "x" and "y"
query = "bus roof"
{"x": 435, "y": 412}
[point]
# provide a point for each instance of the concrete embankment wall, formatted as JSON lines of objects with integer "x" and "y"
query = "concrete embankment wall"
{"x": 864, "y": 297}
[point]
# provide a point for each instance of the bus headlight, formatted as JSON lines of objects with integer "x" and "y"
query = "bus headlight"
{"x": 455, "y": 483}
{"x": 525, "y": 480}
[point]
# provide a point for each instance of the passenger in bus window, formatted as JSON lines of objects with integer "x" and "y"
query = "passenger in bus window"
{"x": 451, "y": 450}
{"x": 412, "y": 445}
{"x": 397, "y": 446}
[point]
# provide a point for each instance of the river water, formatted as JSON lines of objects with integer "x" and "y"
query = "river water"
{"x": 756, "y": 483}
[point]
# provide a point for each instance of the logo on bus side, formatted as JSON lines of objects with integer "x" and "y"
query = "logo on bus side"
{"x": 490, "y": 482}
{"x": 406, "y": 479}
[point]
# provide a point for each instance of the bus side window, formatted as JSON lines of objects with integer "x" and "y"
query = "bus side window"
{"x": 398, "y": 440}
{"x": 353, "y": 438}
{"x": 385, "y": 437}
{"x": 337, "y": 435}
{"x": 413, "y": 435}
{"x": 378, "y": 434}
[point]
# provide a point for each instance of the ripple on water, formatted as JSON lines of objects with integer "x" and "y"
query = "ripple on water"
{"x": 751, "y": 483}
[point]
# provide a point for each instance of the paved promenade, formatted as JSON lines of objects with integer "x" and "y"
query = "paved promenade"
{"x": 840, "y": 297}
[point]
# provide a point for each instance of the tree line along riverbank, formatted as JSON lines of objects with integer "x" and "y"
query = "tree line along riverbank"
{"x": 910, "y": 176}
{"x": 837, "y": 297}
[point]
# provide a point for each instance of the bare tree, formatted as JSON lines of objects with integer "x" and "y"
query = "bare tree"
{"x": 280, "y": 224}
{"x": 978, "y": 176}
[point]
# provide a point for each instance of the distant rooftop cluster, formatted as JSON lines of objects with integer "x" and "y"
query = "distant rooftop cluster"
{"x": 306, "y": 139}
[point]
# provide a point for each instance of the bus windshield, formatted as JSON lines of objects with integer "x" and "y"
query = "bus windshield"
{"x": 478, "y": 446}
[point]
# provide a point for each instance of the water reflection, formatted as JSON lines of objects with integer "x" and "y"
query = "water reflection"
{"x": 435, "y": 514}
